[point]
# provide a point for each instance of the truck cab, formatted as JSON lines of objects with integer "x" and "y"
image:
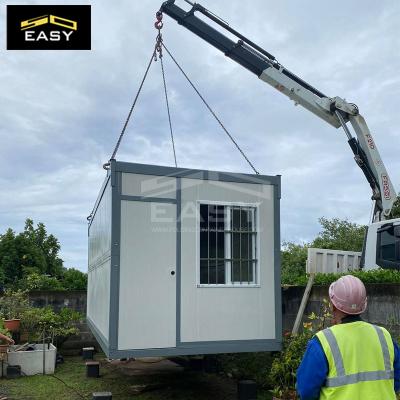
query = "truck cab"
{"x": 382, "y": 245}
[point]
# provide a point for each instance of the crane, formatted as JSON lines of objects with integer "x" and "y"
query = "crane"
{"x": 382, "y": 240}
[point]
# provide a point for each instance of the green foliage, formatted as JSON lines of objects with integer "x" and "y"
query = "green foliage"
{"x": 37, "y": 322}
{"x": 4, "y": 330}
{"x": 285, "y": 365}
{"x": 373, "y": 276}
{"x": 74, "y": 279}
{"x": 32, "y": 250}
{"x": 35, "y": 281}
{"x": 293, "y": 261}
{"x": 339, "y": 235}
{"x": 13, "y": 304}
{"x": 30, "y": 260}
{"x": 396, "y": 209}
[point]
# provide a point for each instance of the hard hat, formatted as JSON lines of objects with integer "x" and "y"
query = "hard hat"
{"x": 348, "y": 295}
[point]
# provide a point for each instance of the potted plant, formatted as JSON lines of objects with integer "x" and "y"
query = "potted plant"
{"x": 284, "y": 367}
{"x": 5, "y": 332}
{"x": 12, "y": 305}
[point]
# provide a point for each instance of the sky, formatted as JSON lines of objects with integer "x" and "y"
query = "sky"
{"x": 62, "y": 111}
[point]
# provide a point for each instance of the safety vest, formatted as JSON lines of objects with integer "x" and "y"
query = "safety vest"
{"x": 360, "y": 358}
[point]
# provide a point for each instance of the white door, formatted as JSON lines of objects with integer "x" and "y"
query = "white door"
{"x": 147, "y": 305}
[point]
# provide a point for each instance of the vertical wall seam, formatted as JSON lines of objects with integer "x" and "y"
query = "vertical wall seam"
{"x": 178, "y": 259}
{"x": 115, "y": 256}
{"x": 277, "y": 256}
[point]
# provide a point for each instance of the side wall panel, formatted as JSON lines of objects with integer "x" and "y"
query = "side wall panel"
{"x": 226, "y": 313}
{"x": 98, "y": 302}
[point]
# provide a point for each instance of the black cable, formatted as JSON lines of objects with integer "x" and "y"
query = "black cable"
{"x": 133, "y": 106}
{"x": 167, "y": 103}
{"x": 70, "y": 387}
{"x": 210, "y": 109}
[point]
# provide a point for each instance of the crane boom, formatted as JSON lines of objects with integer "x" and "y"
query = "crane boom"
{"x": 333, "y": 110}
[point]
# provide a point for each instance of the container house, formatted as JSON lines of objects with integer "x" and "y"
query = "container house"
{"x": 184, "y": 261}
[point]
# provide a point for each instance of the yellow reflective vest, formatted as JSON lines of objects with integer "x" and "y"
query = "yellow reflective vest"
{"x": 360, "y": 358}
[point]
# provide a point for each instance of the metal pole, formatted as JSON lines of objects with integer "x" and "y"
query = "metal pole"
{"x": 44, "y": 354}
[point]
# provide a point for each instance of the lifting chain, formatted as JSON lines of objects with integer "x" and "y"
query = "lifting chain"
{"x": 158, "y": 25}
{"x": 158, "y": 53}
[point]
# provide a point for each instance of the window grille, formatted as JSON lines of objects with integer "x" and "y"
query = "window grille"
{"x": 228, "y": 244}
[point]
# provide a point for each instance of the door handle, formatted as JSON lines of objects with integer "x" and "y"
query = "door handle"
{"x": 172, "y": 273}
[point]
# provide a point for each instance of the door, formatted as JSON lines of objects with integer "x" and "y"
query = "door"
{"x": 147, "y": 304}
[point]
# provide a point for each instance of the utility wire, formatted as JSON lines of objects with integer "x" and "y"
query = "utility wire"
{"x": 210, "y": 109}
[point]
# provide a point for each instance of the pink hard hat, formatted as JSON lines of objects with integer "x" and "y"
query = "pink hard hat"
{"x": 348, "y": 295}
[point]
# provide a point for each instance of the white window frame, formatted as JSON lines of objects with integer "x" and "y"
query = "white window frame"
{"x": 228, "y": 278}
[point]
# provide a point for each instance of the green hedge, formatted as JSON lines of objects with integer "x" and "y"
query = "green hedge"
{"x": 373, "y": 276}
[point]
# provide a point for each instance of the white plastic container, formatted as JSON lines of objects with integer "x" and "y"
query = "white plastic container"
{"x": 31, "y": 362}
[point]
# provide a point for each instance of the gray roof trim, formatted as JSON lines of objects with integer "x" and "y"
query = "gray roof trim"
{"x": 147, "y": 169}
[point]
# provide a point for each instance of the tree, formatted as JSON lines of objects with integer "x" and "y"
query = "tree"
{"x": 293, "y": 261}
{"x": 47, "y": 248}
{"x": 339, "y": 234}
{"x": 9, "y": 260}
{"x": 31, "y": 251}
{"x": 74, "y": 279}
{"x": 396, "y": 209}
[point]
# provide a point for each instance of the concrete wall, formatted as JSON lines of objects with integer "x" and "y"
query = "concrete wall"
{"x": 383, "y": 304}
{"x": 75, "y": 300}
{"x": 383, "y": 308}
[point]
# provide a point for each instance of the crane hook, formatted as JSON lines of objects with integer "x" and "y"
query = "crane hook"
{"x": 159, "y": 24}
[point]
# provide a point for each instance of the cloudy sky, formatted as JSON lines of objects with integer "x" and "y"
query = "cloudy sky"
{"x": 62, "y": 111}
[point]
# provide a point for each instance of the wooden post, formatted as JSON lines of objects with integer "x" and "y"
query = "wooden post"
{"x": 303, "y": 304}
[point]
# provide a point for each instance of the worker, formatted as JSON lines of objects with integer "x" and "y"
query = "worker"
{"x": 352, "y": 359}
{"x": 6, "y": 339}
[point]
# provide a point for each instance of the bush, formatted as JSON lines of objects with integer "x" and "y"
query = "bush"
{"x": 13, "y": 304}
{"x": 372, "y": 276}
{"x": 37, "y": 322}
{"x": 70, "y": 279}
{"x": 35, "y": 281}
{"x": 4, "y": 330}
{"x": 74, "y": 279}
{"x": 285, "y": 365}
{"x": 293, "y": 262}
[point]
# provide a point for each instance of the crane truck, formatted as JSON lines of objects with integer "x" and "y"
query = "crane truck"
{"x": 382, "y": 239}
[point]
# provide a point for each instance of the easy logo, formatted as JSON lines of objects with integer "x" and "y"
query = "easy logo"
{"x": 50, "y": 27}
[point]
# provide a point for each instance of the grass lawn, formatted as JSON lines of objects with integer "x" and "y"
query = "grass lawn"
{"x": 185, "y": 385}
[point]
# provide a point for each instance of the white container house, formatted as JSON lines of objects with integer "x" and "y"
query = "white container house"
{"x": 184, "y": 262}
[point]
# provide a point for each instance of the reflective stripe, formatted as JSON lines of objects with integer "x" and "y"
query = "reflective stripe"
{"x": 337, "y": 356}
{"x": 359, "y": 377}
{"x": 385, "y": 349}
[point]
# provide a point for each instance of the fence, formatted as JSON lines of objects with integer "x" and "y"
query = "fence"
{"x": 383, "y": 308}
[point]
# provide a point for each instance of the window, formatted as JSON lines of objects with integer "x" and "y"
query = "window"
{"x": 388, "y": 249}
{"x": 228, "y": 244}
